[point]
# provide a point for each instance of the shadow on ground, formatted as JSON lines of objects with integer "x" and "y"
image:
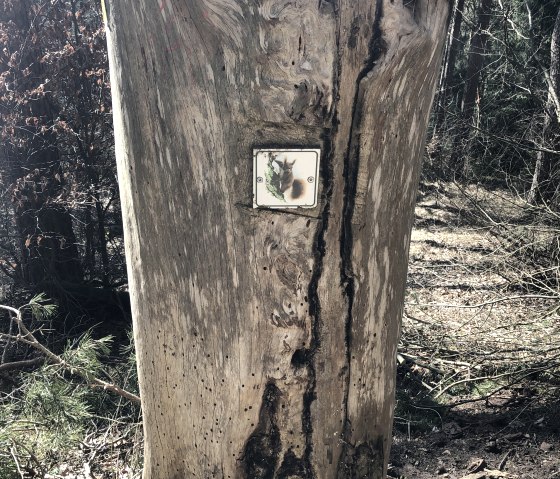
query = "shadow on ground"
{"x": 478, "y": 386}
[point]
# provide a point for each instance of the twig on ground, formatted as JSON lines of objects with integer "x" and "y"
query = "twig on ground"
{"x": 423, "y": 321}
{"x": 486, "y": 303}
{"x": 421, "y": 364}
{"x": 13, "y": 453}
{"x": 502, "y": 463}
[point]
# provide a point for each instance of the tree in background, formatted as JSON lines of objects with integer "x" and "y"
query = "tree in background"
{"x": 472, "y": 94}
{"x": 546, "y": 178}
{"x": 488, "y": 125}
{"x": 447, "y": 86}
{"x": 60, "y": 199}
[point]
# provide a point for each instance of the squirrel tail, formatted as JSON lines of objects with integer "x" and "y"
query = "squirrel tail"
{"x": 298, "y": 189}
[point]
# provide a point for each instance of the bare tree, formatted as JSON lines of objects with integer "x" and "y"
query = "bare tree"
{"x": 57, "y": 167}
{"x": 31, "y": 158}
{"x": 545, "y": 177}
{"x": 447, "y": 86}
{"x": 266, "y": 339}
{"x": 473, "y": 89}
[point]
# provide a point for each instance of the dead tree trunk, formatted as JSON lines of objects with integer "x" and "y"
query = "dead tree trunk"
{"x": 266, "y": 339}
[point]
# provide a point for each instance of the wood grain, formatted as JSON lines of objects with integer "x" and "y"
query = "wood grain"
{"x": 266, "y": 338}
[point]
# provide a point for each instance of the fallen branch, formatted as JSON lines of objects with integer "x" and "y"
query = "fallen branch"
{"x": 423, "y": 321}
{"x": 27, "y": 337}
{"x": 422, "y": 364}
{"x": 17, "y": 365}
{"x": 487, "y": 474}
{"x": 502, "y": 463}
{"x": 470, "y": 380}
{"x": 486, "y": 303}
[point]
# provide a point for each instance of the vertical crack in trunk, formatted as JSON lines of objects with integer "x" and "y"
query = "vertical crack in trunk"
{"x": 314, "y": 301}
{"x": 355, "y": 458}
{"x": 292, "y": 466}
{"x": 305, "y": 357}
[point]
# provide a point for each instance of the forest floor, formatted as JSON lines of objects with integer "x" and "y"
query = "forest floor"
{"x": 478, "y": 393}
{"x": 479, "y": 384}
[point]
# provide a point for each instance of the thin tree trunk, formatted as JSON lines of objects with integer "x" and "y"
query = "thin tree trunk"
{"x": 545, "y": 177}
{"x": 472, "y": 95}
{"x": 102, "y": 240}
{"x": 266, "y": 339}
{"x": 89, "y": 248}
{"x": 447, "y": 86}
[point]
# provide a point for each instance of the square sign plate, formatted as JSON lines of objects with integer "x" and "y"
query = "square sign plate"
{"x": 285, "y": 178}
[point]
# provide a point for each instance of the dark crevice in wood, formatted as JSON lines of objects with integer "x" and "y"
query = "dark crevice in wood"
{"x": 301, "y": 358}
{"x": 328, "y": 6}
{"x": 292, "y": 467}
{"x": 307, "y": 424}
{"x": 305, "y": 357}
{"x": 262, "y": 449}
{"x": 354, "y": 32}
{"x": 377, "y": 48}
{"x": 279, "y": 212}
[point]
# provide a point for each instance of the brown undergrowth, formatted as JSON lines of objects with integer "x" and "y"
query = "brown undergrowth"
{"x": 479, "y": 358}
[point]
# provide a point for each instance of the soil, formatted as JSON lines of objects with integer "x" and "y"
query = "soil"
{"x": 478, "y": 393}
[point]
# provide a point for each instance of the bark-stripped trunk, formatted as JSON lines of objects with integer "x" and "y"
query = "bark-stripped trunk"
{"x": 266, "y": 339}
{"x": 546, "y": 182}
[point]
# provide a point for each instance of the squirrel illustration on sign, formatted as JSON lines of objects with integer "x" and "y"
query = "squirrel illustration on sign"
{"x": 292, "y": 188}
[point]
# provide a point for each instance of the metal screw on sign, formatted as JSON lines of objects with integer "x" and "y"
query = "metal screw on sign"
{"x": 259, "y": 179}
{"x": 310, "y": 179}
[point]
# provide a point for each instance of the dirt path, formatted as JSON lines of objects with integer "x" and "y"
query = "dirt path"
{"x": 466, "y": 337}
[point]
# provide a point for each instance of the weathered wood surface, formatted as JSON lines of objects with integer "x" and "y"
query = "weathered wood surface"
{"x": 266, "y": 339}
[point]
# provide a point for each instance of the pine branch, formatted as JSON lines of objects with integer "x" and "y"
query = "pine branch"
{"x": 17, "y": 365}
{"x": 27, "y": 337}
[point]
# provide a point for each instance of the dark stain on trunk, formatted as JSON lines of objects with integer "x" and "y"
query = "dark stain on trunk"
{"x": 292, "y": 467}
{"x": 363, "y": 461}
{"x": 354, "y": 31}
{"x": 262, "y": 449}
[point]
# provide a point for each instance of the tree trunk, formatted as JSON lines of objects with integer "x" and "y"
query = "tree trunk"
{"x": 89, "y": 247}
{"x": 471, "y": 97}
{"x": 102, "y": 241}
{"x": 266, "y": 339}
{"x": 447, "y": 85}
{"x": 447, "y": 88}
{"x": 545, "y": 177}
